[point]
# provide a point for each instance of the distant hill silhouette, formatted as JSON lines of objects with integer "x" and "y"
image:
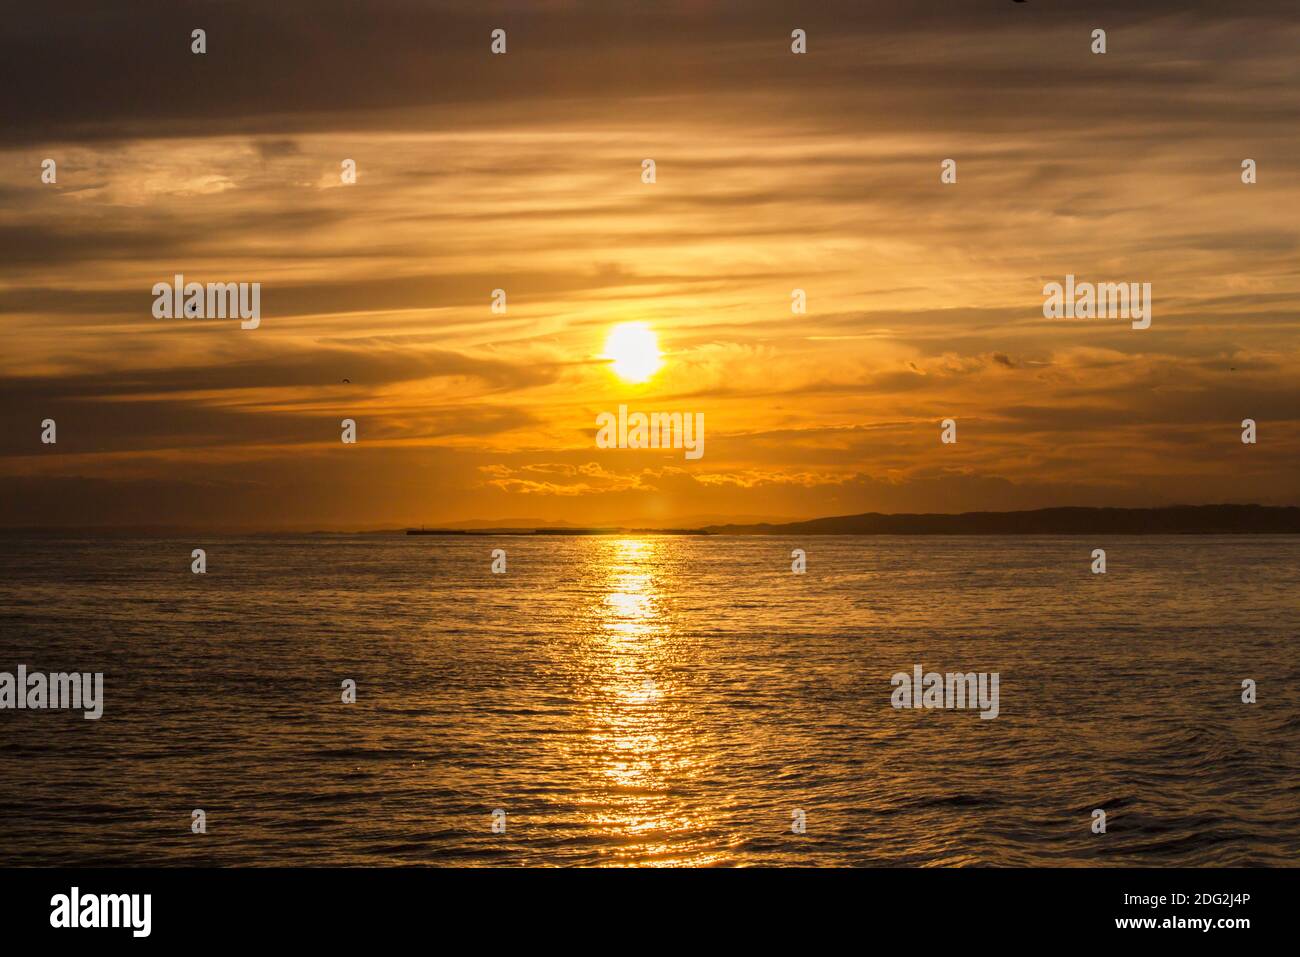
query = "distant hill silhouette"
{"x": 1173, "y": 520}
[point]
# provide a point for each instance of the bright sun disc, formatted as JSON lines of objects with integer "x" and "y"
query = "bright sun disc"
{"x": 634, "y": 350}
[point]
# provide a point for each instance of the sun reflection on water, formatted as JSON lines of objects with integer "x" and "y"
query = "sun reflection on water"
{"x": 631, "y": 602}
{"x": 642, "y": 733}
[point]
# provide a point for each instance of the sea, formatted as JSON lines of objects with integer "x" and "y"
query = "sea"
{"x": 653, "y": 700}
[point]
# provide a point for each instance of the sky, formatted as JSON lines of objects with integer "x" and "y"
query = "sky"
{"x": 523, "y": 172}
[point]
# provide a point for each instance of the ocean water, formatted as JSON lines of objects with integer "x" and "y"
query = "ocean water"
{"x": 655, "y": 700}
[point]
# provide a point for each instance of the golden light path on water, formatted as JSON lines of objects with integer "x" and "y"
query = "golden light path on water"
{"x": 638, "y": 727}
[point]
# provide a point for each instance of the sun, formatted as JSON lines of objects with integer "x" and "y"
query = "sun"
{"x": 634, "y": 350}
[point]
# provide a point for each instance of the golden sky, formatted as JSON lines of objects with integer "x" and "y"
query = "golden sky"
{"x": 774, "y": 171}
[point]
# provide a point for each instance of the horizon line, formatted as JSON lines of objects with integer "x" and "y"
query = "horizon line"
{"x": 541, "y": 527}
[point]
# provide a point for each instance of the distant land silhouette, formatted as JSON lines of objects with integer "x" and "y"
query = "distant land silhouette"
{"x": 1171, "y": 520}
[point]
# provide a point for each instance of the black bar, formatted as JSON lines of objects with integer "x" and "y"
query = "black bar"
{"x": 678, "y": 908}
